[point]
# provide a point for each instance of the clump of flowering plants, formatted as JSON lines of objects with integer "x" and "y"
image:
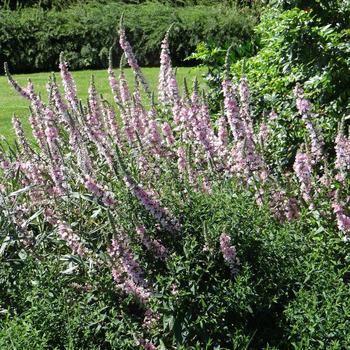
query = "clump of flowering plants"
{"x": 120, "y": 191}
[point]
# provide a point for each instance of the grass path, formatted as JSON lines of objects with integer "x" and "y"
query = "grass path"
{"x": 11, "y": 102}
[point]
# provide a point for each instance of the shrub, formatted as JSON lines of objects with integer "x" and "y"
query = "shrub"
{"x": 31, "y": 39}
{"x": 155, "y": 228}
{"x": 297, "y": 46}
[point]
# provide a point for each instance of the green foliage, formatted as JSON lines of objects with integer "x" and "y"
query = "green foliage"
{"x": 335, "y": 12}
{"x": 31, "y": 39}
{"x": 319, "y": 316}
{"x": 297, "y": 47}
{"x": 45, "y": 4}
{"x": 290, "y": 276}
{"x": 62, "y": 4}
{"x": 308, "y": 46}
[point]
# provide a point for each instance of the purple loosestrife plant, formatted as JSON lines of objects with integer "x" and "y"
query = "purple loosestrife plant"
{"x": 126, "y": 271}
{"x": 232, "y": 111}
{"x": 125, "y": 45}
{"x": 164, "y": 71}
{"x": 152, "y": 205}
{"x": 105, "y": 168}
{"x": 23, "y": 92}
{"x": 146, "y": 344}
{"x": 168, "y": 89}
{"x": 113, "y": 82}
{"x": 152, "y": 245}
{"x": 21, "y": 138}
{"x": 70, "y": 89}
{"x": 343, "y": 220}
{"x": 66, "y": 233}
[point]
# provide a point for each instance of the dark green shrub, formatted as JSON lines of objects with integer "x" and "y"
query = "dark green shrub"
{"x": 31, "y": 39}
{"x": 289, "y": 277}
{"x": 319, "y": 317}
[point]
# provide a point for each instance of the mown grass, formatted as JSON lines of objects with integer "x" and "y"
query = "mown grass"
{"x": 11, "y": 103}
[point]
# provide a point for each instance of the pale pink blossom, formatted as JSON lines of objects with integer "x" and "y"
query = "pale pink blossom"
{"x": 342, "y": 150}
{"x": 152, "y": 205}
{"x": 100, "y": 192}
{"x": 69, "y": 85}
{"x": 343, "y": 220}
{"x": 229, "y": 252}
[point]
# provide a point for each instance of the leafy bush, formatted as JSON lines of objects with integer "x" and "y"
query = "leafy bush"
{"x": 319, "y": 316}
{"x": 297, "y": 46}
{"x": 31, "y": 39}
{"x": 156, "y": 229}
{"x": 61, "y": 4}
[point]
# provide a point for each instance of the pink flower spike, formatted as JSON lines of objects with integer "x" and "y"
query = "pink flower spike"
{"x": 65, "y": 232}
{"x": 152, "y": 245}
{"x": 229, "y": 252}
{"x": 69, "y": 85}
{"x": 303, "y": 170}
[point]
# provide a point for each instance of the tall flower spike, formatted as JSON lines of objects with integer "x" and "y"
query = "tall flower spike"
{"x": 342, "y": 150}
{"x": 232, "y": 111}
{"x": 126, "y": 271}
{"x": 22, "y": 140}
{"x": 69, "y": 85}
{"x": 112, "y": 124}
{"x": 168, "y": 134}
{"x": 125, "y": 95}
{"x": 165, "y": 68}
{"x": 304, "y": 106}
{"x": 94, "y": 115}
{"x": 181, "y": 161}
{"x": 152, "y": 245}
{"x": 343, "y": 221}
{"x": 99, "y": 192}
{"x": 245, "y": 106}
{"x": 14, "y": 84}
{"x": 37, "y": 131}
{"x": 58, "y": 102}
{"x": 125, "y": 45}
{"x": 66, "y": 233}
{"x": 57, "y": 167}
{"x": 152, "y": 205}
{"x": 303, "y": 169}
{"x": 153, "y": 138}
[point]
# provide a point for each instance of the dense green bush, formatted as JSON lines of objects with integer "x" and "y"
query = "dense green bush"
{"x": 335, "y": 12}
{"x": 61, "y": 4}
{"x": 287, "y": 290}
{"x": 32, "y": 39}
{"x": 298, "y": 47}
{"x": 308, "y": 46}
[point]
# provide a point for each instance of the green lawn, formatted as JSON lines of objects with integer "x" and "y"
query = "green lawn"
{"x": 11, "y": 102}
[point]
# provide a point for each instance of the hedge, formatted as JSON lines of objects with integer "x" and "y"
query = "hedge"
{"x": 31, "y": 39}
